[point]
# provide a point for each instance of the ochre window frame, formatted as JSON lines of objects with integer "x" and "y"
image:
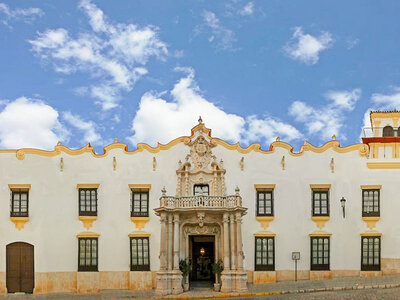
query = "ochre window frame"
{"x": 139, "y": 188}
{"x": 264, "y": 189}
{"x": 320, "y": 188}
{"x": 19, "y": 189}
{"x": 85, "y": 212}
{"x": 371, "y": 267}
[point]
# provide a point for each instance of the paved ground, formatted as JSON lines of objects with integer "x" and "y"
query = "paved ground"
{"x": 385, "y": 287}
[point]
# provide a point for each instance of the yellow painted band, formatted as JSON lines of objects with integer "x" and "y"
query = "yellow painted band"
{"x": 320, "y": 186}
{"x": 87, "y": 234}
{"x": 140, "y": 186}
{"x": 264, "y": 186}
{"x": 19, "y": 186}
{"x": 371, "y": 187}
{"x": 88, "y": 186}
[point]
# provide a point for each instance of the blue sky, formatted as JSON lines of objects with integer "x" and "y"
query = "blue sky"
{"x": 143, "y": 71}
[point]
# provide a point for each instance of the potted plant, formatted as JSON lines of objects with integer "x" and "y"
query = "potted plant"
{"x": 217, "y": 269}
{"x": 185, "y": 268}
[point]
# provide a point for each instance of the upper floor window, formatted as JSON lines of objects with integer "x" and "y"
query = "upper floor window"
{"x": 19, "y": 203}
{"x": 265, "y": 203}
{"x": 88, "y": 254}
{"x": 320, "y": 249}
{"x": 370, "y": 202}
{"x": 88, "y": 201}
{"x": 140, "y": 202}
{"x": 320, "y": 203}
{"x": 388, "y": 131}
{"x": 201, "y": 190}
{"x": 265, "y": 254}
{"x": 370, "y": 253}
{"x": 140, "y": 251}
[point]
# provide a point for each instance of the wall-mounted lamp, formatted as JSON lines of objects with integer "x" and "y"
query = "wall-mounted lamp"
{"x": 202, "y": 251}
{"x": 343, "y": 204}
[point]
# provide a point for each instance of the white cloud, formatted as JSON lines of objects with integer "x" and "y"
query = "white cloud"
{"x": 25, "y": 14}
{"x": 88, "y": 127}
{"x": 224, "y": 37}
{"x": 247, "y": 10}
{"x": 387, "y": 101}
{"x": 305, "y": 47}
{"x": 114, "y": 55}
{"x": 327, "y": 120}
{"x": 30, "y": 123}
{"x": 159, "y": 120}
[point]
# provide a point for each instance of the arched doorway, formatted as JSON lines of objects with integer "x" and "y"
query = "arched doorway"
{"x": 20, "y": 267}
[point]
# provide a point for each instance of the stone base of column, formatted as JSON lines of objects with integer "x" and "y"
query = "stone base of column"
{"x": 240, "y": 278}
{"x": 163, "y": 284}
{"x": 176, "y": 278}
{"x": 227, "y": 283}
{"x": 169, "y": 282}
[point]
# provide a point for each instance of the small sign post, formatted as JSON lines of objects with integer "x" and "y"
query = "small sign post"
{"x": 295, "y": 257}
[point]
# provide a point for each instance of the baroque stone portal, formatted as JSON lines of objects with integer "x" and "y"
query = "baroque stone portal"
{"x": 200, "y": 207}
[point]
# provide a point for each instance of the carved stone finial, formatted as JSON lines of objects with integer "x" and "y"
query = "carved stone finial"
{"x": 242, "y": 164}
{"x": 333, "y": 137}
{"x": 200, "y": 120}
{"x": 114, "y": 163}
{"x": 332, "y": 165}
{"x": 59, "y": 143}
{"x": 180, "y": 164}
{"x": 278, "y": 138}
{"x": 283, "y": 162}
{"x": 237, "y": 190}
{"x": 154, "y": 163}
{"x": 61, "y": 164}
{"x": 115, "y": 140}
{"x": 164, "y": 192}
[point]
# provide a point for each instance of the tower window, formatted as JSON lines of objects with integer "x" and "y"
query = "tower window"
{"x": 388, "y": 131}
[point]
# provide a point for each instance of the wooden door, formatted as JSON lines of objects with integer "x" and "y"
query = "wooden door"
{"x": 20, "y": 267}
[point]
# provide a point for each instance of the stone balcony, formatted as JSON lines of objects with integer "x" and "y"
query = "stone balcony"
{"x": 201, "y": 202}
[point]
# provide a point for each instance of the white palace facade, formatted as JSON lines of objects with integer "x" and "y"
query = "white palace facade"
{"x": 80, "y": 222}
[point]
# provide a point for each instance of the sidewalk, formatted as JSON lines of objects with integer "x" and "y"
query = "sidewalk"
{"x": 279, "y": 288}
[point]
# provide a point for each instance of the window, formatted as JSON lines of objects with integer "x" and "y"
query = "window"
{"x": 88, "y": 253}
{"x": 320, "y": 203}
{"x": 370, "y": 253}
{"x": 19, "y": 203}
{"x": 201, "y": 189}
{"x": 140, "y": 203}
{"x": 370, "y": 203}
{"x": 320, "y": 253}
{"x": 88, "y": 202}
{"x": 388, "y": 131}
{"x": 265, "y": 254}
{"x": 265, "y": 203}
{"x": 140, "y": 254}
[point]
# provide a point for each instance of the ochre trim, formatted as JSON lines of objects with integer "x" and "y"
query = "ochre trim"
{"x": 87, "y": 221}
{"x": 139, "y": 186}
{"x": 139, "y": 234}
{"x": 320, "y": 186}
{"x": 362, "y": 149}
{"x": 371, "y": 233}
{"x": 371, "y": 221}
{"x": 87, "y": 234}
{"x": 264, "y": 221}
{"x": 87, "y": 186}
{"x": 19, "y": 186}
{"x": 320, "y": 221}
{"x": 264, "y": 234}
{"x": 140, "y": 222}
{"x": 371, "y": 187}
{"x": 384, "y": 165}
{"x": 19, "y": 222}
{"x": 384, "y": 115}
{"x": 264, "y": 186}
{"x": 320, "y": 233}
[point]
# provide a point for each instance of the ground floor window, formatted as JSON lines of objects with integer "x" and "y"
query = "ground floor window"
{"x": 88, "y": 253}
{"x": 265, "y": 254}
{"x": 370, "y": 253}
{"x": 320, "y": 253}
{"x": 140, "y": 254}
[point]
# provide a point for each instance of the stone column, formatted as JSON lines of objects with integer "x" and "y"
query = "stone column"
{"x": 233, "y": 242}
{"x": 163, "y": 240}
{"x": 176, "y": 242}
{"x": 170, "y": 241}
{"x": 239, "y": 241}
{"x": 226, "y": 242}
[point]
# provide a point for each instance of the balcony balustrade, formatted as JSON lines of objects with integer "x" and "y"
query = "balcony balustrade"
{"x": 204, "y": 202}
